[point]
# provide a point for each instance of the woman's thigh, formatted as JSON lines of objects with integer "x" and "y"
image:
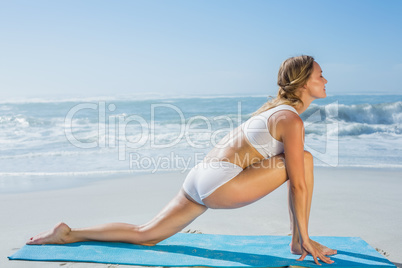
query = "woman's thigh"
{"x": 253, "y": 183}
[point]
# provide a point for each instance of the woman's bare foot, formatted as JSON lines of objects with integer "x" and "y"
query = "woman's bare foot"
{"x": 296, "y": 248}
{"x": 58, "y": 235}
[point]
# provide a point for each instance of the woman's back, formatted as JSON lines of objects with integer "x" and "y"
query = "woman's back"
{"x": 254, "y": 140}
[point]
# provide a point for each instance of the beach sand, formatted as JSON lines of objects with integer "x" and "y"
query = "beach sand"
{"x": 347, "y": 202}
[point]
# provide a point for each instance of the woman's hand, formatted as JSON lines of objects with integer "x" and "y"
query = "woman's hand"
{"x": 309, "y": 248}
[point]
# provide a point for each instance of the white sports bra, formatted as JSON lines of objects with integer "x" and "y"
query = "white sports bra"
{"x": 257, "y": 132}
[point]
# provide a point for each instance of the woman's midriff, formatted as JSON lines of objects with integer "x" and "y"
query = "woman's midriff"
{"x": 236, "y": 149}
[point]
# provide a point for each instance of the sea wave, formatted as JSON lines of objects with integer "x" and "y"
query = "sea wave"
{"x": 352, "y": 129}
{"x": 87, "y": 173}
{"x": 354, "y": 120}
{"x": 52, "y": 154}
{"x": 130, "y": 97}
{"x": 36, "y": 136}
{"x": 73, "y": 173}
{"x": 381, "y": 113}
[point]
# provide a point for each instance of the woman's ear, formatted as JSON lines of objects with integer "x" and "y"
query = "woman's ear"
{"x": 303, "y": 88}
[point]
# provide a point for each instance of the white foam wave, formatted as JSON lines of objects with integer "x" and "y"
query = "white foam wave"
{"x": 33, "y": 140}
{"x": 52, "y": 154}
{"x": 87, "y": 173}
{"x": 353, "y": 129}
{"x": 369, "y": 166}
{"x": 131, "y": 97}
{"x": 355, "y": 120}
{"x": 382, "y": 113}
{"x": 73, "y": 173}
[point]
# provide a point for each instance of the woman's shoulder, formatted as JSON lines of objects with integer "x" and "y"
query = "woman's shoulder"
{"x": 286, "y": 107}
{"x": 281, "y": 114}
{"x": 287, "y": 120}
{"x": 284, "y": 113}
{"x": 290, "y": 122}
{"x": 279, "y": 109}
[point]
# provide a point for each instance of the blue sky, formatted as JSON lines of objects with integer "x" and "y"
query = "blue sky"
{"x": 193, "y": 47}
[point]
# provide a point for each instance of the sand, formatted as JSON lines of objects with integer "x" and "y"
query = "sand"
{"x": 347, "y": 202}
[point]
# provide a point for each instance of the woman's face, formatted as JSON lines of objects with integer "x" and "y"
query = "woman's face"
{"x": 315, "y": 85}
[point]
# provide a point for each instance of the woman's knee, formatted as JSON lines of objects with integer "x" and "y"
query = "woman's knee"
{"x": 150, "y": 243}
{"x": 143, "y": 236}
{"x": 308, "y": 158}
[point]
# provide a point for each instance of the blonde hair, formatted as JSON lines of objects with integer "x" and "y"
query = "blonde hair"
{"x": 293, "y": 74}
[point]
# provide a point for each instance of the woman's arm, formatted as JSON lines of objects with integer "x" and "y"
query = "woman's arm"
{"x": 292, "y": 135}
{"x": 292, "y": 130}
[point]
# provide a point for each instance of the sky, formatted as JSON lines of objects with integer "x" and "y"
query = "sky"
{"x": 192, "y": 47}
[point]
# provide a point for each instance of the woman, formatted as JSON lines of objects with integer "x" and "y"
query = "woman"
{"x": 244, "y": 166}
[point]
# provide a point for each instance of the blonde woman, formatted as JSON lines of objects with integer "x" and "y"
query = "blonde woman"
{"x": 250, "y": 162}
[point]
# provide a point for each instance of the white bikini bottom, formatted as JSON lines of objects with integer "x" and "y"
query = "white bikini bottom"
{"x": 205, "y": 178}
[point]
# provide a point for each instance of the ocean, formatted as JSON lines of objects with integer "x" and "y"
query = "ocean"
{"x": 44, "y": 139}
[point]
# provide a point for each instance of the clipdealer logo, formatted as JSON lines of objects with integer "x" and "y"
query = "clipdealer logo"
{"x": 112, "y": 129}
{"x": 112, "y": 133}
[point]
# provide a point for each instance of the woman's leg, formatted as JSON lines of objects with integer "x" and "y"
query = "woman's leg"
{"x": 253, "y": 183}
{"x": 258, "y": 180}
{"x": 179, "y": 213}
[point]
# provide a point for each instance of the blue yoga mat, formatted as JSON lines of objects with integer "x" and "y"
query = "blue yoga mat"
{"x": 185, "y": 249}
